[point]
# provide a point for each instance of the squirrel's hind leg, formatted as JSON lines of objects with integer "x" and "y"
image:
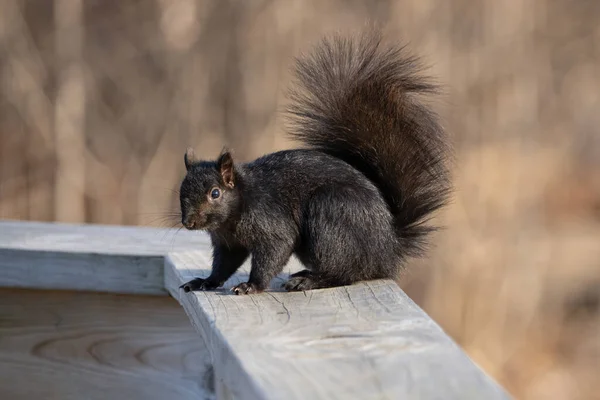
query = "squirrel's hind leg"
{"x": 347, "y": 237}
{"x": 301, "y": 274}
{"x": 309, "y": 281}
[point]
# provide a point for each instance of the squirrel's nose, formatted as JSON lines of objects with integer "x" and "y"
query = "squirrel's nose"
{"x": 189, "y": 223}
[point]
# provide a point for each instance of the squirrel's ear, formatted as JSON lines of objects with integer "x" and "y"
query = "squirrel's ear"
{"x": 189, "y": 158}
{"x": 225, "y": 165}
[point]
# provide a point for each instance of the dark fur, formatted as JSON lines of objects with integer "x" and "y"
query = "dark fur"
{"x": 353, "y": 206}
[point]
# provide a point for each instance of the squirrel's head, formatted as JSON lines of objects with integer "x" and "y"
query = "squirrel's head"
{"x": 208, "y": 193}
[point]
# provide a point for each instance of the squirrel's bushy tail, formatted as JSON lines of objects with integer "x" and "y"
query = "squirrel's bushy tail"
{"x": 357, "y": 100}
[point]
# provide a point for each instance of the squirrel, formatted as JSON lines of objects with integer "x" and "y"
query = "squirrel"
{"x": 355, "y": 203}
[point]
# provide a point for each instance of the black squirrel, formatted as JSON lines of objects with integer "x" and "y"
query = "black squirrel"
{"x": 353, "y": 205}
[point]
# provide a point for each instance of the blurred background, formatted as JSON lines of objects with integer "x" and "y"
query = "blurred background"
{"x": 99, "y": 99}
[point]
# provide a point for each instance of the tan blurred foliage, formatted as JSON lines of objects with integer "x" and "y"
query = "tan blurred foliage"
{"x": 99, "y": 99}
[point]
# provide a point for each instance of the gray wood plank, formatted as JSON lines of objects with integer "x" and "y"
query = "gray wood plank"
{"x": 365, "y": 341}
{"x": 101, "y": 239}
{"x": 96, "y": 346}
{"x": 89, "y": 257}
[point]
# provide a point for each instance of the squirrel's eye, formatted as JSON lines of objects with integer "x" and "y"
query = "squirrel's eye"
{"x": 215, "y": 193}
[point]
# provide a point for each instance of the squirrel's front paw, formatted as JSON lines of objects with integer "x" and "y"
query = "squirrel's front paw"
{"x": 198, "y": 284}
{"x": 245, "y": 288}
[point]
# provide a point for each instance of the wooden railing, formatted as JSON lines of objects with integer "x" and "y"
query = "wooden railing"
{"x": 365, "y": 341}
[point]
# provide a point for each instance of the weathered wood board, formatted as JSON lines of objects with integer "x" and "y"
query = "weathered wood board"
{"x": 365, "y": 341}
{"x": 97, "y": 346}
{"x": 89, "y": 257}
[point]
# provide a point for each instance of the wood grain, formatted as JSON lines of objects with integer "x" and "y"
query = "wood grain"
{"x": 365, "y": 341}
{"x": 68, "y": 345}
{"x": 89, "y": 257}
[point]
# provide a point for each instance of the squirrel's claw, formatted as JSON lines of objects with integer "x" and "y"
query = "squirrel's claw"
{"x": 245, "y": 288}
{"x": 197, "y": 284}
